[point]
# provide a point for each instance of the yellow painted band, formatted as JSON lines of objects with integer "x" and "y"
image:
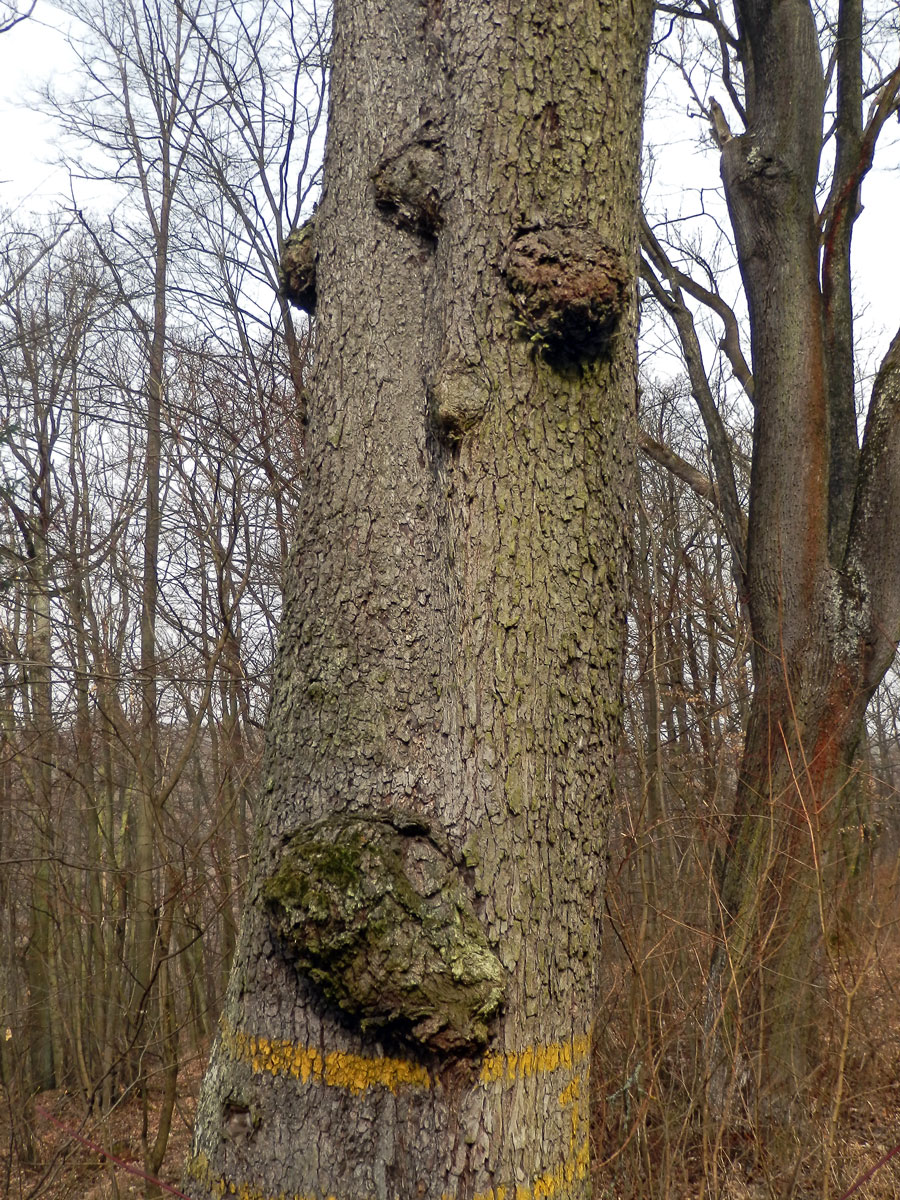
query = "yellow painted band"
{"x": 357, "y": 1073}
{"x": 350, "y": 1071}
{"x": 535, "y": 1060}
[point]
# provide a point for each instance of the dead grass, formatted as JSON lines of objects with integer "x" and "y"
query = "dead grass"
{"x": 653, "y": 1139}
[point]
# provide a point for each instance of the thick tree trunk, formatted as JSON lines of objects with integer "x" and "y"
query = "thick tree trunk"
{"x": 783, "y": 884}
{"x": 410, "y": 1008}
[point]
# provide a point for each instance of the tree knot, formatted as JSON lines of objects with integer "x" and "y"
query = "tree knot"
{"x": 297, "y": 268}
{"x": 408, "y": 184}
{"x": 569, "y": 289}
{"x": 374, "y": 910}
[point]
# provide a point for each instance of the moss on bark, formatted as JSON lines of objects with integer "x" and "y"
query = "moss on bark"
{"x": 377, "y": 915}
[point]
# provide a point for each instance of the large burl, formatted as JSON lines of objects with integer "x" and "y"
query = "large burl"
{"x": 297, "y": 268}
{"x": 376, "y": 913}
{"x": 569, "y": 289}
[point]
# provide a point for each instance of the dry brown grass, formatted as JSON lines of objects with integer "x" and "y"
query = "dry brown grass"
{"x": 655, "y": 1138}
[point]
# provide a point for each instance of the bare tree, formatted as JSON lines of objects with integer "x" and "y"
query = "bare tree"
{"x": 256, "y": 156}
{"x": 819, "y": 563}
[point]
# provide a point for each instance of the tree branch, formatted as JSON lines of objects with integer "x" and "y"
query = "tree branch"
{"x": 873, "y": 550}
{"x": 699, "y": 483}
{"x": 730, "y": 345}
{"x": 719, "y": 441}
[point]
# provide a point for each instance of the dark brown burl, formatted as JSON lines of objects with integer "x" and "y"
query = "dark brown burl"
{"x": 569, "y": 289}
{"x": 408, "y": 186}
{"x": 298, "y": 267}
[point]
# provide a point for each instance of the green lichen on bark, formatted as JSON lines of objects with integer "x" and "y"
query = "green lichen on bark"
{"x": 376, "y": 913}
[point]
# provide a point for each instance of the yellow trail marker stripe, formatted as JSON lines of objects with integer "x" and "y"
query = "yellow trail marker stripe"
{"x": 356, "y": 1073}
{"x": 535, "y": 1060}
{"x": 350, "y": 1071}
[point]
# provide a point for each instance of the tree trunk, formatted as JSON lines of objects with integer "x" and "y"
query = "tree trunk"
{"x": 783, "y": 881}
{"x": 40, "y": 775}
{"x": 823, "y": 551}
{"x": 410, "y": 1009}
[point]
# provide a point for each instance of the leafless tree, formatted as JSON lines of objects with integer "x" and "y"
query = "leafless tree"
{"x": 796, "y": 97}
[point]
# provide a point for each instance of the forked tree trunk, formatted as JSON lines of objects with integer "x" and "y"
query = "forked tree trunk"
{"x": 409, "y": 1013}
{"x": 823, "y": 549}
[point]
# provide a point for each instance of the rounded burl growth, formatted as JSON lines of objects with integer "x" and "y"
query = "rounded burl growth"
{"x": 375, "y": 912}
{"x": 569, "y": 290}
{"x": 297, "y": 269}
{"x": 408, "y": 186}
{"x": 458, "y": 398}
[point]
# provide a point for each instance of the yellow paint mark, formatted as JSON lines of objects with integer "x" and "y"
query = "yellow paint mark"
{"x": 350, "y": 1071}
{"x": 357, "y": 1073}
{"x": 535, "y": 1060}
{"x": 570, "y": 1098}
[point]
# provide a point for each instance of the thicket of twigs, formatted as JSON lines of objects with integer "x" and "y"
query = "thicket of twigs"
{"x": 656, "y": 1134}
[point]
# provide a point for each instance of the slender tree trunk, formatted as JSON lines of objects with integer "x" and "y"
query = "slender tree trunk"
{"x": 145, "y": 816}
{"x": 822, "y": 553}
{"x": 447, "y": 689}
{"x": 40, "y": 771}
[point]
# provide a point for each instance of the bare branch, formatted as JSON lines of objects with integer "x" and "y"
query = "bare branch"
{"x": 679, "y": 467}
{"x": 730, "y": 344}
{"x": 10, "y": 17}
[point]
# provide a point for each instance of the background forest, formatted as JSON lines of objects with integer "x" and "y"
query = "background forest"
{"x": 151, "y": 441}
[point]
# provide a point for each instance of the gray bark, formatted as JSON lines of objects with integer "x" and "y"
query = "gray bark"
{"x": 447, "y": 688}
{"x": 823, "y": 553}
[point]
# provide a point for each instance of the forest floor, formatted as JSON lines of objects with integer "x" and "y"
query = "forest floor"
{"x": 79, "y": 1157}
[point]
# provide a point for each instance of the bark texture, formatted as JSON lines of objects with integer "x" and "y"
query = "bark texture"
{"x": 447, "y": 693}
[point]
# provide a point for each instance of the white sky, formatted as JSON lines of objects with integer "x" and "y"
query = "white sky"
{"x": 30, "y": 54}
{"x": 684, "y": 164}
{"x": 35, "y": 51}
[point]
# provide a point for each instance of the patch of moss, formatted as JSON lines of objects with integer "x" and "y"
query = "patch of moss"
{"x": 376, "y": 913}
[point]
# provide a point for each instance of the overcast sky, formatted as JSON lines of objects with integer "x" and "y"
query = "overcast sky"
{"x": 29, "y": 55}
{"x": 35, "y": 51}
